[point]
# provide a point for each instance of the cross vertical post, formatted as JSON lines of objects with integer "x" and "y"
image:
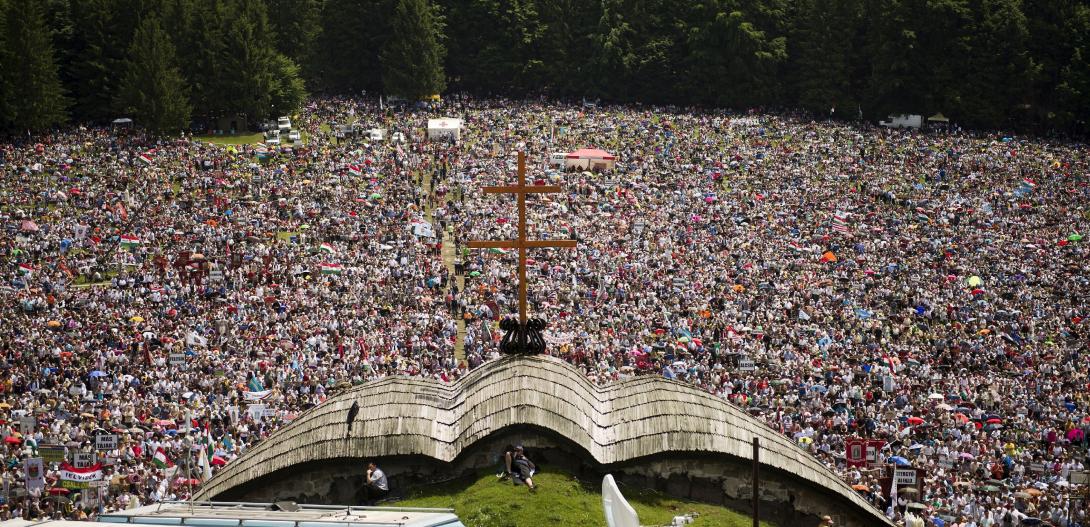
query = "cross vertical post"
{"x": 525, "y": 330}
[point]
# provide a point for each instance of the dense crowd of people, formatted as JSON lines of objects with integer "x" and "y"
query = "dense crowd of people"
{"x": 925, "y": 290}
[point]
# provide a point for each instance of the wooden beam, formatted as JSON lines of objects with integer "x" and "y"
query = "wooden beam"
{"x": 515, "y": 244}
{"x": 515, "y": 189}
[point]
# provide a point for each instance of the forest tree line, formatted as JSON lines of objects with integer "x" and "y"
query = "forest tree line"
{"x": 1010, "y": 64}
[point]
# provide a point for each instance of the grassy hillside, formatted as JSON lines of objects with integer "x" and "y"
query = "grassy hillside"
{"x": 560, "y": 501}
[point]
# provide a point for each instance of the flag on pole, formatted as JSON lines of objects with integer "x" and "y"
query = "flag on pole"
{"x": 326, "y": 248}
{"x": 146, "y": 156}
{"x": 255, "y": 384}
{"x": 26, "y": 270}
{"x": 204, "y": 463}
{"x": 331, "y": 268}
{"x": 355, "y": 170}
{"x": 128, "y": 241}
{"x": 161, "y": 460}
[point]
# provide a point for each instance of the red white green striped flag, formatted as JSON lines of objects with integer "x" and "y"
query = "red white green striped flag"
{"x": 161, "y": 460}
{"x": 128, "y": 241}
{"x": 326, "y": 248}
{"x": 331, "y": 268}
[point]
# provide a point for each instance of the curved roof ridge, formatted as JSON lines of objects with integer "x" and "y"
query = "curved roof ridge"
{"x": 617, "y": 422}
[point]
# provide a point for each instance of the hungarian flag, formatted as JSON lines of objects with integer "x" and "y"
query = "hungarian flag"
{"x": 26, "y": 269}
{"x": 1029, "y": 182}
{"x": 161, "y": 460}
{"x": 128, "y": 241}
{"x": 326, "y": 248}
{"x": 355, "y": 170}
{"x": 331, "y": 268}
{"x": 497, "y": 250}
{"x": 146, "y": 157}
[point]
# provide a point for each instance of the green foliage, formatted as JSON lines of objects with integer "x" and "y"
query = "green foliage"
{"x": 983, "y": 63}
{"x": 35, "y": 99}
{"x": 152, "y": 88}
{"x": 288, "y": 90}
{"x": 412, "y": 58}
{"x": 296, "y": 25}
{"x": 347, "y": 50}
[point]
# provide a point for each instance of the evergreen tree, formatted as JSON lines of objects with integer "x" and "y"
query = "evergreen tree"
{"x": 35, "y": 96}
{"x": 152, "y": 88}
{"x": 7, "y": 108}
{"x": 94, "y": 60}
{"x": 347, "y": 49}
{"x": 244, "y": 61}
{"x": 288, "y": 90}
{"x": 197, "y": 27}
{"x": 499, "y": 46}
{"x": 296, "y": 24}
{"x": 412, "y": 59}
{"x": 822, "y": 52}
{"x": 733, "y": 61}
{"x": 1003, "y": 70}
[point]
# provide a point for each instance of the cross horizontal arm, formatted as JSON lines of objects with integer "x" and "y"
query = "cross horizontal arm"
{"x": 528, "y": 189}
{"x": 514, "y": 244}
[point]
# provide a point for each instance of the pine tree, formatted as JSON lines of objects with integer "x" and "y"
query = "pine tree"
{"x": 152, "y": 87}
{"x": 346, "y": 51}
{"x": 94, "y": 59}
{"x": 245, "y": 61}
{"x": 35, "y": 96}
{"x": 288, "y": 90}
{"x": 7, "y": 109}
{"x": 296, "y": 26}
{"x": 412, "y": 59}
{"x": 821, "y": 50}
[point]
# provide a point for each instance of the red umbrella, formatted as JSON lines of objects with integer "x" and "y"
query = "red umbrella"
{"x": 12, "y": 440}
{"x": 915, "y": 420}
{"x": 994, "y": 421}
{"x": 977, "y": 291}
{"x": 58, "y": 490}
{"x": 218, "y": 461}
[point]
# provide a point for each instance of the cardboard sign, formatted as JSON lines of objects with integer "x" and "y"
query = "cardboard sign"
{"x": 256, "y": 411}
{"x": 27, "y": 424}
{"x": 177, "y": 359}
{"x": 106, "y": 441}
{"x": 83, "y": 459}
{"x": 905, "y": 476}
{"x": 746, "y": 364}
{"x": 887, "y": 383}
{"x": 51, "y": 453}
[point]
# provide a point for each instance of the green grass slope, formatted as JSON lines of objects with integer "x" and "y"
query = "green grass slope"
{"x": 561, "y": 501}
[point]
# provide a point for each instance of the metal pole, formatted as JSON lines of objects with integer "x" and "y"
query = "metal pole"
{"x": 756, "y": 482}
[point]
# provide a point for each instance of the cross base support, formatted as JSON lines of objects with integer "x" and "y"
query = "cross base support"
{"x": 522, "y": 339}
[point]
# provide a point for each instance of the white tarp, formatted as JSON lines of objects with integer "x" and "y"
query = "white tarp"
{"x": 447, "y": 127}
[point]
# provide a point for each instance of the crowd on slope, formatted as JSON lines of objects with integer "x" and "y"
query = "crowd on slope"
{"x": 839, "y": 281}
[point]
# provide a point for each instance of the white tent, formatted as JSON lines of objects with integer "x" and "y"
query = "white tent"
{"x": 444, "y": 128}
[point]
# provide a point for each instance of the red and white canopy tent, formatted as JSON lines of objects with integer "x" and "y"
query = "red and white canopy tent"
{"x": 591, "y": 159}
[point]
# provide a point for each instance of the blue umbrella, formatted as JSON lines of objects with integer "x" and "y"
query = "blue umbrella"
{"x": 98, "y": 373}
{"x": 899, "y": 461}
